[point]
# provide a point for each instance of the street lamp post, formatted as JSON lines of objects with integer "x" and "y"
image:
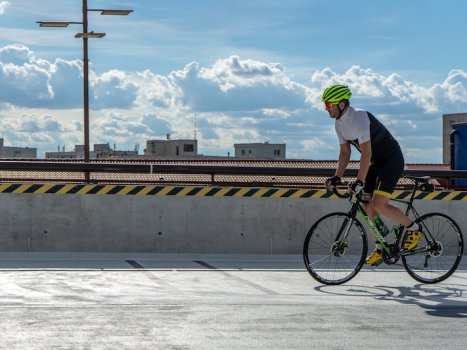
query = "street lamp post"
{"x": 85, "y": 35}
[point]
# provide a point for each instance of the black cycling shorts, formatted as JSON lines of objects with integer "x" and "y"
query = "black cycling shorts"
{"x": 382, "y": 177}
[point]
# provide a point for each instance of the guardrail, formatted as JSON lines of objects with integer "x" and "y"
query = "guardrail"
{"x": 10, "y": 170}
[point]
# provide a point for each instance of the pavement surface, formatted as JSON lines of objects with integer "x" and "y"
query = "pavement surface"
{"x": 175, "y": 301}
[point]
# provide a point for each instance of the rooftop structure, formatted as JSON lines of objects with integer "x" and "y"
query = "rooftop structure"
{"x": 101, "y": 151}
{"x": 448, "y": 120}
{"x": 260, "y": 150}
{"x": 17, "y": 152}
{"x": 171, "y": 148}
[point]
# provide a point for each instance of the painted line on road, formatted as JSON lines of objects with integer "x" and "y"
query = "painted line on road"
{"x": 236, "y": 278}
{"x": 204, "y": 264}
{"x": 161, "y": 283}
{"x": 134, "y": 264}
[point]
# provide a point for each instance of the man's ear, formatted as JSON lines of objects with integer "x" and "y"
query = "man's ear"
{"x": 343, "y": 104}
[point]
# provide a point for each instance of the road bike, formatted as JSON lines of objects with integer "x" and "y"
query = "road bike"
{"x": 336, "y": 245}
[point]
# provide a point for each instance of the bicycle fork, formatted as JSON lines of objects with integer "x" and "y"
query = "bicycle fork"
{"x": 339, "y": 247}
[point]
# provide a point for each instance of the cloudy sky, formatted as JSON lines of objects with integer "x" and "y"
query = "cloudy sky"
{"x": 250, "y": 71}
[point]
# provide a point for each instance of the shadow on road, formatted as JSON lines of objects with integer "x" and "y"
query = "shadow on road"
{"x": 439, "y": 300}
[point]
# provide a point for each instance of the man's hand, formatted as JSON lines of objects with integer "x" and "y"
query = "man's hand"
{"x": 332, "y": 182}
{"x": 356, "y": 186}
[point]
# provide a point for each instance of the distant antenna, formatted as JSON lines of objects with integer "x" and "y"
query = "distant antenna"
{"x": 195, "y": 125}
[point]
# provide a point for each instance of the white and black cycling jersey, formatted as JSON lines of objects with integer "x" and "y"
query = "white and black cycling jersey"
{"x": 357, "y": 126}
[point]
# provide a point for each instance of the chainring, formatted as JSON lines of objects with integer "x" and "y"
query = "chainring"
{"x": 394, "y": 255}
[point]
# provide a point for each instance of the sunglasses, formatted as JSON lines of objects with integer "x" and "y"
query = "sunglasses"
{"x": 329, "y": 104}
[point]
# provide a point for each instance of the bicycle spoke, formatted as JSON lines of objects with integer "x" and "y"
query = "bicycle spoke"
{"x": 439, "y": 259}
{"x": 329, "y": 261}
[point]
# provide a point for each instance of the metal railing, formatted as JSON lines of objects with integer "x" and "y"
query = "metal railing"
{"x": 115, "y": 172}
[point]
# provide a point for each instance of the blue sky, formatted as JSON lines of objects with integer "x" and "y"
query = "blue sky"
{"x": 251, "y": 71}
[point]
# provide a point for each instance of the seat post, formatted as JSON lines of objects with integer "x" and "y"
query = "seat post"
{"x": 415, "y": 187}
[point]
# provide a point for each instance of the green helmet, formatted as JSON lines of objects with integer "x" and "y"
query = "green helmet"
{"x": 336, "y": 93}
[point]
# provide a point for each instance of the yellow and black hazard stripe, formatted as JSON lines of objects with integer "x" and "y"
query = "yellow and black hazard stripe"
{"x": 204, "y": 191}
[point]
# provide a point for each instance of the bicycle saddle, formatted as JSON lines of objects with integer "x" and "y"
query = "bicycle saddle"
{"x": 418, "y": 178}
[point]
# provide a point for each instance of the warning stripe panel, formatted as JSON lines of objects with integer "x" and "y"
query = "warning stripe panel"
{"x": 183, "y": 191}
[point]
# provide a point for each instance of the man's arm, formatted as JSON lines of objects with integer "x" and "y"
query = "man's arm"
{"x": 365, "y": 160}
{"x": 344, "y": 157}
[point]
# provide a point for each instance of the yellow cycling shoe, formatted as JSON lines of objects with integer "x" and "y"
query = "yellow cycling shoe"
{"x": 412, "y": 240}
{"x": 375, "y": 258}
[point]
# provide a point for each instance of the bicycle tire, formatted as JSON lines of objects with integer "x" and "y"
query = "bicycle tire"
{"x": 436, "y": 264}
{"x": 321, "y": 263}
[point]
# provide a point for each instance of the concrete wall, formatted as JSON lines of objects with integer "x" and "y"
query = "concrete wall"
{"x": 114, "y": 223}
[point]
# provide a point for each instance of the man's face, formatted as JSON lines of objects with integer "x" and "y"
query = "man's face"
{"x": 333, "y": 110}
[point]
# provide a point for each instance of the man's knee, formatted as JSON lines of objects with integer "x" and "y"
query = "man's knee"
{"x": 380, "y": 203}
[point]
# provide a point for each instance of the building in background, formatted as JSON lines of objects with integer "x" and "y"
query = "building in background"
{"x": 100, "y": 151}
{"x": 448, "y": 120}
{"x": 260, "y": 150}
{"x": 78, "y": 153}
{"x": 17, "y": 152}
{"x": 171, "y": 148}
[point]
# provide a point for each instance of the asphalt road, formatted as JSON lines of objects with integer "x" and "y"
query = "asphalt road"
{"x": 160, "y": 301}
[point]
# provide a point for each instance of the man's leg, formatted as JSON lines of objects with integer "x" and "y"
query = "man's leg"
{"x": 381, "y": 205}
{"x": 376, "y": 256}
{"x": 370, "y": 184}
{"x": 389, "y": 174}
{"x": 370, "y": 208}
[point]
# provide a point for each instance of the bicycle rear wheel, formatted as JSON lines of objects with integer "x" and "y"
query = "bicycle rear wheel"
{"x": 433, "y": 262}
{"x": 326, "y": 260}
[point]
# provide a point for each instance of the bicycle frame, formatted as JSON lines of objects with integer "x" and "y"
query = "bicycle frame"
{"x": 358, "y": 208}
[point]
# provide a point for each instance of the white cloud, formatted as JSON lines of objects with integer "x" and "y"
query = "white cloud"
{"x": 23, "y": 83}
{"x": 113, "y": 90}
{"x": 38, "y": 131}
{"x": 128, "y": 130}
{"x": 16, "y": 54}
{"x": 453, "y": 91}
{"x": 35, "y": 123}
{"x": 316, "y": 143}
{"x": 383, "y": 92}
{"x": 30, "y": 82}
{"x": 235, "y": 100}
{"x": 3, "y": 6}
{"x": 276, "y": 112}
{"x": 159, "y": 91}
{"x": 235, "y": 85}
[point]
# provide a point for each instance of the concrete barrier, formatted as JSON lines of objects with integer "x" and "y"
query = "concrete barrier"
{"x": 168, "y": 223}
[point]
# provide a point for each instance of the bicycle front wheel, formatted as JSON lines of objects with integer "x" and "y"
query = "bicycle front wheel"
{"x": 330, "y": 259}
{"x": 438, "y": 251}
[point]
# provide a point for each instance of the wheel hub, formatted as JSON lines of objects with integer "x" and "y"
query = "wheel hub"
{"x": 338, "y": 249}
{"x": 435, "y": 250}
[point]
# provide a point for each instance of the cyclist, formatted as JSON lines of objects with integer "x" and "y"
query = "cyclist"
{"x": 381, "y": 163}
